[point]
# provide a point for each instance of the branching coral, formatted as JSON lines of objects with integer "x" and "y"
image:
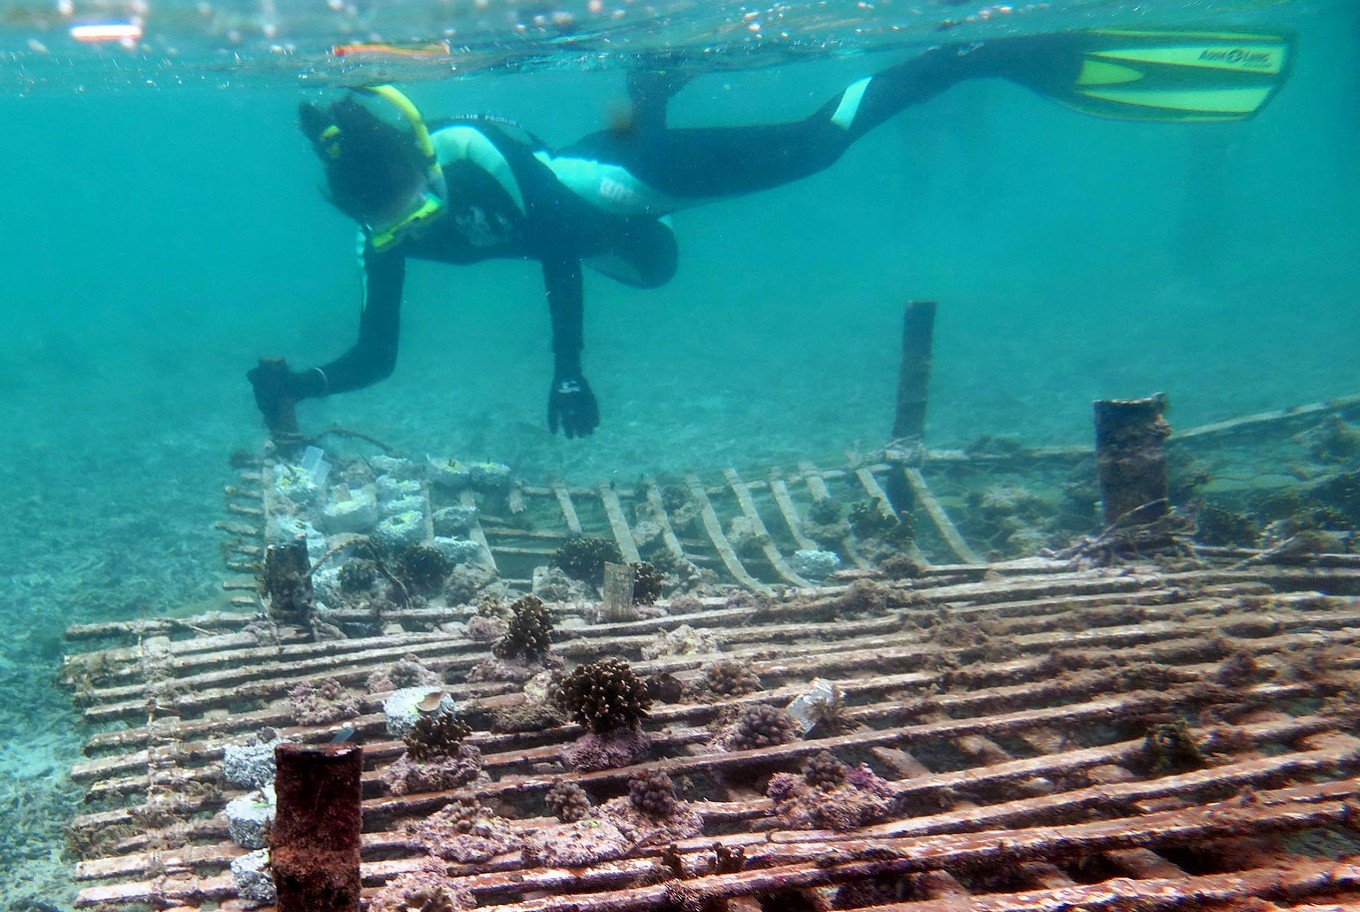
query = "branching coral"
{"x": 824, "y": 771}
{"x": 358, "y": 575}
{"x": 869, "y": 519}
{"x": 583, "y": 558}
{"x": 730, "y": 678}
{"x": 604, "y": 696}
{"x": 423, "y": 568}
{"x": 1169, "y": 747}
{"x": 568, "y": 802}
{"x": 761, "y": 726}
{"x": 647, "y": 582}
{"x": 653, "y": 793}
{"x": 529, "y": 632}
{"x": 435, "y": 737}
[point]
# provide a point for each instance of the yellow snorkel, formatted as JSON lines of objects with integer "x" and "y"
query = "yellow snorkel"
{"x": 432, "y": 202}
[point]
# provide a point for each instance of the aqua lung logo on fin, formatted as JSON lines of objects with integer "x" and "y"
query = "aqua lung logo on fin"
{"x": 1238, "y": 57}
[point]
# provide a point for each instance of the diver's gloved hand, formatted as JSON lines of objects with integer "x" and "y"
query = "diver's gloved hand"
{"x": 277, "y": 390}
{"x": 572, "y": 405}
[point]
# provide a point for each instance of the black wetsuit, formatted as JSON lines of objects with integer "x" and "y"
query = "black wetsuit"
{"x": 602, "y": 202}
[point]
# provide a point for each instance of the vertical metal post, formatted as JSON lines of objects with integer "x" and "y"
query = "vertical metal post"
{"x": 287, "y": 584}
{"x": 913, "y": 378}
{"x": 1130, "y": 453}
{"x": 618, "y": 593}
{"x": 314, "y": 846}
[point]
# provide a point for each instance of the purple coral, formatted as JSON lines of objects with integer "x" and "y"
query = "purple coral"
{"x": 322, "y": 702}
{"x": 408, "y": 776}
{"x": 429, "y": 888}
{"x": 860, "y": 799}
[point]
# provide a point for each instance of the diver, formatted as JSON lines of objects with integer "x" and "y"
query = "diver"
{"x": 474, "y": 188}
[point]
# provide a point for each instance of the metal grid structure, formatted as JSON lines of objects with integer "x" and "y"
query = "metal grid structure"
{"x": 1008, "y": 705}
{"x": 523, "y": 527}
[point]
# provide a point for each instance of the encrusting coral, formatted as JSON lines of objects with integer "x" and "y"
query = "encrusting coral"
{"x": 323, "y": 702}
{"x": 465, "y": 831}
{"x": 408, "y": 671}
{"x": 529, "y": 633}
{"x": 429, "y": 888}
{"x": 860, "y": 798}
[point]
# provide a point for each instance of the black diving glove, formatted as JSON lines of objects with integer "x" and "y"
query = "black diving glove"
{"x": 278, "y": 389}
{"x": 572, "y": 405}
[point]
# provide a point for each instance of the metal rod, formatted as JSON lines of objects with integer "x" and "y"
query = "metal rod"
{"x": 568, "y": 508}
{"x": 618, "y": 523}
{"x": 935, "y": 510}
{"x": 767, "y": 545}
{"x": 713, "y": 526}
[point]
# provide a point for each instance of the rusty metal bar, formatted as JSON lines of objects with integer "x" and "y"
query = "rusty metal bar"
{"x": 935, "y": 510}
{"x": 618, "y": 523}
{"x": 568, "y": 508}
{"x": 779, "y": 489}
{"x": 713, "y": 526}
{"x": 816, "y": 484}
{"x": 663, "y": 520}
{"x": 1130, "y": 452}
{"x": 767, "y": 545}
{"x": 468, "y": 499}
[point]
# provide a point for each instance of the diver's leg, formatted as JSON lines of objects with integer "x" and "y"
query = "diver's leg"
{"x": 642, "y": 254}
{"x": 710, "y": 162}
{"x": 649, "y": 94}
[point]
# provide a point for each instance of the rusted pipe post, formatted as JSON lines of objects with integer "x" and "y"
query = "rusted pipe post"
{"x": 287, "y": 584}
{"x": 314, "y": 846}
{"x": 1130, "y": 453}
{"x": 913, "y": 378}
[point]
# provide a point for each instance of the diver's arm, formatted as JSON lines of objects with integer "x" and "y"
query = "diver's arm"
{"x": 571, "y": 404}
{"x": 374, "y": 355}
{"x": 369, "y": 360}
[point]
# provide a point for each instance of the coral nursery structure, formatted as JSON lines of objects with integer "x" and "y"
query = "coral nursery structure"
{"x": 1176, "y": 731}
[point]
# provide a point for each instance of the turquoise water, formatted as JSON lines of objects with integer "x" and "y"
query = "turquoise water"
{"x": 162, "y": 238}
